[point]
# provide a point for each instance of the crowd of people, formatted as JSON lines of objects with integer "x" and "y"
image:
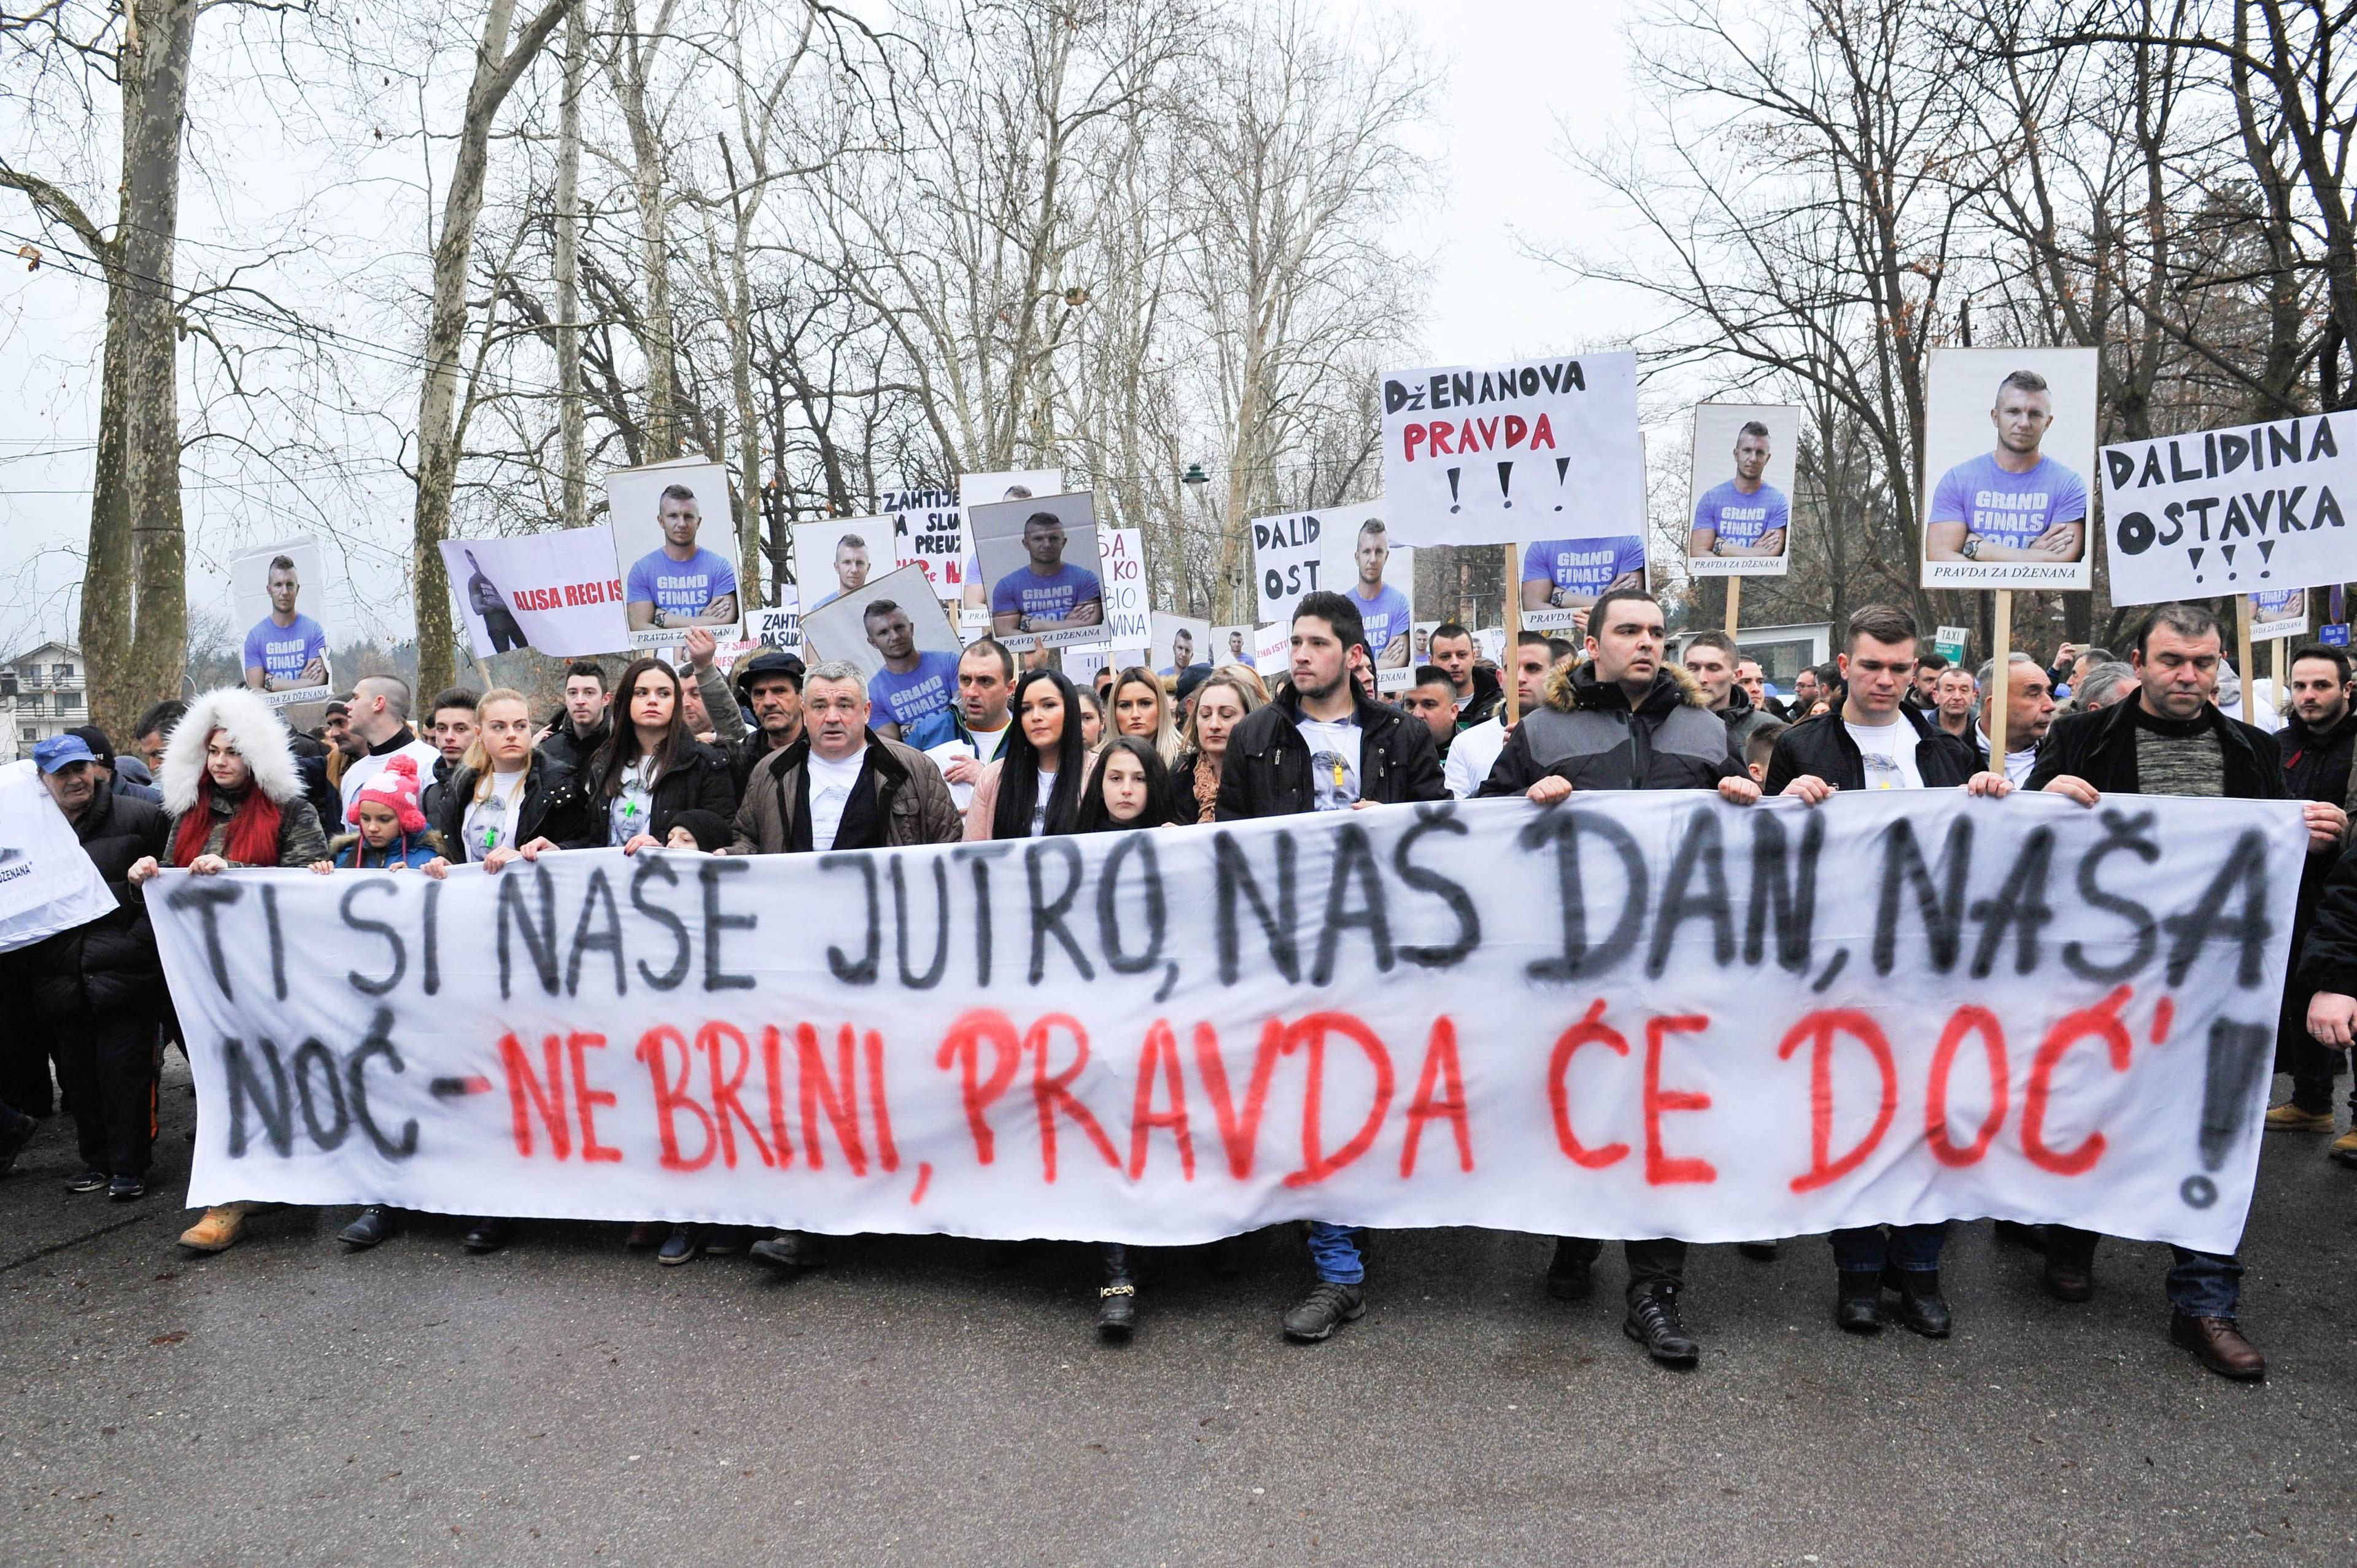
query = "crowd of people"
{"x": 781, "y": 758}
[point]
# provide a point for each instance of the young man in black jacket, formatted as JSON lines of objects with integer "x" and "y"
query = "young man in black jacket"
{"x": 574, "y": 739}
{"x": 2316, "y": 743}
{"x": 1624, "y": 720}
{"x": 1321, "y": 745}
{"x": 2170, "y": 739}
{"x": 1878, "y": 741}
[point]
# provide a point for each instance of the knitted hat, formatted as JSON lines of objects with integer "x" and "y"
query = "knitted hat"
{"x": 395, "y": 785}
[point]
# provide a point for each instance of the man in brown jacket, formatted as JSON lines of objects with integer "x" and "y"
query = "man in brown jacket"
{"x": 843, "y": 786}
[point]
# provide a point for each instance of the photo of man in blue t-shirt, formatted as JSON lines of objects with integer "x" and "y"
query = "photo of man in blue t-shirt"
{"x": 1572, "y": 573}
{"x": 681, "y": 584}
{"x": 1744, "y": 515}
{"x": 851, "y": 565}
{"x": 1046, "y": 593}
{"x": 1382, "y": 608}
{"x": 914, "y": 691}
{"x": 2014, "y": 503}
{"x": 286, "y": 651}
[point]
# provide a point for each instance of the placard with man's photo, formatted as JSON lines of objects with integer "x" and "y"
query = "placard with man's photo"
{"x": 896, "y": 629}
{"x": 675, "y": 548}
{"x": 2008, "y": 443}
{"x": 275, "y": 591}
{"x": 1042, "y": 569}
{"x": 1739, "y": 490}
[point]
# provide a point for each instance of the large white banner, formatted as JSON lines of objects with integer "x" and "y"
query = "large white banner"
{"x": 1625, "y": 1015}
{"x": 1494, "y": 454}
{"x": 556, "y": 594}
{"x": 2257, "y": 507}
{"x": 47, "y": 881}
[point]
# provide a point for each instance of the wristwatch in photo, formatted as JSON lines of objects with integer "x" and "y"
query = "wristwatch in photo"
{"x": 1972, "y": 546}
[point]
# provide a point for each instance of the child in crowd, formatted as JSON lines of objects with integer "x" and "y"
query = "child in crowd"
{"x": 1760, "y": 748}
{"x": 392, "y": 832}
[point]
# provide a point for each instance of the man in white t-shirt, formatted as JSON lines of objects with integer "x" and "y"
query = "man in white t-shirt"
{"x": 380, "y": 721}
{"x": 1478, "y": 746}
{"x": 1876, "y": 742}
{"x": 985, "y": 675}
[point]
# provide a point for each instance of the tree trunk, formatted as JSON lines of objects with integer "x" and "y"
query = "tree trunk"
{"x": 437, "y": 436}
{"x": 155, "y": 96}
{"x": 106, "y": 624}
{"x": 573, "y": 443}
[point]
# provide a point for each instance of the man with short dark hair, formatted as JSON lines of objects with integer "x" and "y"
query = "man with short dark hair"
{"x": 1874, "y": 741}
{"x": 2013, "y": 504}
{"x": 1478, "y": 695}
{"x": 979, "y": 718}
{"x": 1754, "y": 682}
{"x": 1477, "y": 746}
{"x": 1433, "y": 699}
{"x": 1806, "y": 689}
{"x": 2170, "y": 739}
{"x": 1710, "y": 657}
{"x": 287, "y": 651}
{"x": 574, "y": 739}
{"x": 1924, "y": 694}
{"x": 450, "y": 726}
{"x": 2315, "y": 744}
{"x": 917, "y": 687}
{"x": 154, "y": 730}
{"x": 1320, "y": 744}
{"x": 1047, "y": 591}
{"x": 680, "y": 584}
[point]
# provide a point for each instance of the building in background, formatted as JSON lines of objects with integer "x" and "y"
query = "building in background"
{"x": 43, "y": 691}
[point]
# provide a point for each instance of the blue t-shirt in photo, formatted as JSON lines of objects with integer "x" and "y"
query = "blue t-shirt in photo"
{"x": 2008, "y": 509}
{"x": 1585, "y": 566}
{"x": 1739, "y": 519}
{"x": 1044, "y": 599}
{"x": 911, "y": 699}
{"x": 680, "y": 587}
{"x": 281, "y": 652}
{"x": 1385, "y": 616}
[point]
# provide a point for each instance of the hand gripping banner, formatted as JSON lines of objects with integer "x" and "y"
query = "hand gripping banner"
{"x": 1626, "y": 1015}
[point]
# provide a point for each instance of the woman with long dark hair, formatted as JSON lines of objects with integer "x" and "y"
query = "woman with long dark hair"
{"x": 1130, "y": 789}
{"x": 1034, "y": 789}
{"x": 648, "y": 771}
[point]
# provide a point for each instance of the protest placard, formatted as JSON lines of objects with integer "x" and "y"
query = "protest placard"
{"x": 675, "y": 550}
{"x": 282, "y": 647}
{"x": 556, "y": 594}
{"x": 2256, "y": 508}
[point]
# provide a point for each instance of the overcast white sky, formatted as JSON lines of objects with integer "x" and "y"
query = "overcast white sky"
{"x": 1513, "y": 69}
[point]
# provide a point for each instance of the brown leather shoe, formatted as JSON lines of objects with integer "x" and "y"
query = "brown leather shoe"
{"x": 2218, "y": 1345}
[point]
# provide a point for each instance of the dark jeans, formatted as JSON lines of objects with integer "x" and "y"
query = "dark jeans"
{"x": 1334, "y": 1251}
{"x": 2312, "y": 1067}
{"x": 2200, "y": 1284}
{"x": 107, "y": 1064}
{"x": 1659, "y": 1261}
{"x": 1911, "y": 1248}
{"x": 505, "y": 633}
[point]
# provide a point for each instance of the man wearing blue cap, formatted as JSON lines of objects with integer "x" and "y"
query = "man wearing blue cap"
{"x": 99, "y": 986}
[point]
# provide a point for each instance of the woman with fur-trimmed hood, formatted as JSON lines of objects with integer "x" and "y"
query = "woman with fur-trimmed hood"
{"x": 236, "y": 799}
{"x": 231, "y": 785}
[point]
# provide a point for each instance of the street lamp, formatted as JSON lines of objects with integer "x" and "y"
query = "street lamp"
{"x": 1194, "y": 475}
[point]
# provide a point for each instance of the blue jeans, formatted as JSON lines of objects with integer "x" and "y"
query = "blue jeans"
{"x": 1334, "y": 1251}
{"x": 2205, "y": 1285}
{"x": 1911, "y": 1248}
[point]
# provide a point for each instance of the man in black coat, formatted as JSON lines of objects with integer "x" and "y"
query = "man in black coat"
{"x": 99, "y": 988}
{"x": 1624, "y": 720}
{"x": 2170, "y": 739}
{"x": 2315, "y": 744}
{"x": 1321, "y": 745}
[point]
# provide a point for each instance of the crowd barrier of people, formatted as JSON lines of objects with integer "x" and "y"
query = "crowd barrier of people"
{"x": 781, "y": 758}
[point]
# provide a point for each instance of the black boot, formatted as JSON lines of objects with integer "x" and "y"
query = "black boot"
{"x": 486, "y": 1235}
{"x": 1858, "y": 1301}
{"x": 1117, "y": 1297}
{"x": 1569, "y": 1277}
{"x": 372, "y": 1225}
{"x": 1921, "y": 1307}
{"x": 2070, "y": 1263}
{"x": 1652, "y": 1322}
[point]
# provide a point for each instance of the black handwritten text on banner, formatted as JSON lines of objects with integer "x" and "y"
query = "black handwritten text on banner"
{"x": 1626, "y": 1015}
{"x": 2246, "y": 511}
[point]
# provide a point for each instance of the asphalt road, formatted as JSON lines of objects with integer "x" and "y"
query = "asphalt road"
{"x": 942, "y": 1400}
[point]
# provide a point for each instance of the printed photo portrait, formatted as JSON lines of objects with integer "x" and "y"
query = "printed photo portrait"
{"x": 277, "y": 594}
{"x": 676, "y": 549}
{"x": 895, "y": 629}
{"x": 1740, "y": 492}
{"x": 1356, "y": 557}
{"x": 838, "y": 555}
{"x": 2009, "y": 443}
{"x": 1561, "y": 577}
{"x": 1042, "y": 568}
{"x": 1233, "y": 645}
{"x": 982, "y": 489}
{"x": 1178, "y": 641}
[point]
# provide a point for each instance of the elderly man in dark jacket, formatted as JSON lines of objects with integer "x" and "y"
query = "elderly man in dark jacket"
{"x": 99, "y": 987}
{"x": 1624, "y": 720}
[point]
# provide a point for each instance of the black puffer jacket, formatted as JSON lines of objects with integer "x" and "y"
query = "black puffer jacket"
{"x": 110, "y": 964}
{"x": 1587, "y": 732}
{"x": 1488, "y": 701}
{"x": 576, "y": 752}
{"x": 553, "y": 808}
{"x": 1267, "y": 769}
{"x": 1822, "y": 747}
{"x": 2316, "y": 761}
{"x": 702, "y": 780}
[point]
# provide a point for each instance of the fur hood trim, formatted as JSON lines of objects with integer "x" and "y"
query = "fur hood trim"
{"x": 254, "y": 728}
{"x": 1564, "y": 696}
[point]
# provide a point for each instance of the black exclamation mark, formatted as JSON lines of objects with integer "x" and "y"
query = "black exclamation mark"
{"x": 1562, "y": 466}
{"x": 2239, "y": 1054}
{"x": 1505, "y": 482}
{"x": 1452, "y": 489}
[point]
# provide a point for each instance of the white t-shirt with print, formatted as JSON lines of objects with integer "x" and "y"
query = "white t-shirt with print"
{"x": 491, "y": 819}
{"x": 1888, "y": 752}
{"x": 1333, "y": 762}
{"x": 631, "y": 811}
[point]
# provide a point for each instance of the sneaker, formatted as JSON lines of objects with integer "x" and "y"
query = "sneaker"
{"x": 89, "y": 1181}
{"x": 788, "y": 1251}
{"x": 2344, "y": 1149}
{"x": 127, "y": 1188}
{"x": 2290, "y": 1118}
{"x": 681, "y": 1246}
{"x": 1652, "y": 1322}
{"x": 15, "y": 1133}
{"x": 1327, "y": 1306}
{"x": 219, "y": 1230}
